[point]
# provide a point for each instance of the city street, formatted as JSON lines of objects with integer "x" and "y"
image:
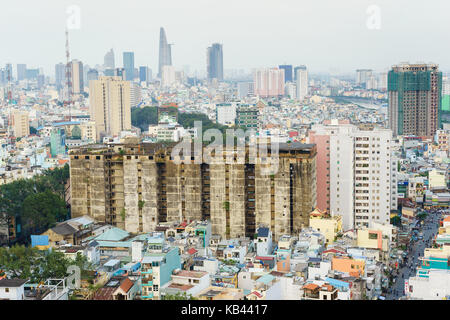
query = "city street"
{"x": 416, "y": 250}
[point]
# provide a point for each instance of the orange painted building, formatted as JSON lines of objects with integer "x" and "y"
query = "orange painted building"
{"x": 351, "y": 266}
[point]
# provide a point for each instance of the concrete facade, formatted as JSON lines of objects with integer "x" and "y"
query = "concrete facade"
{"x": 137, "y": 186}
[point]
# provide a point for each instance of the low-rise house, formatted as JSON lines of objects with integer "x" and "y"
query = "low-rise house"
{"x": 157, "y": 269}
{"x": 329, "y": 226}
{"x": 12, "y": 289}
{"x": 209, "y": 265}
{"x": 127, "y": 290}
{"x": 190, "y": 283}
{"x": 221, "y": 293}
{"x": 264, "y": 242}
{"x": 348, "y": 265}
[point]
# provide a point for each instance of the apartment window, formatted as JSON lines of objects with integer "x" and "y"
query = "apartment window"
{"x": 6, "y": 290}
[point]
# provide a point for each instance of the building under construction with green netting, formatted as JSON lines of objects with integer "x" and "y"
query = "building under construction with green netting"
{"x": 414, "y": 99}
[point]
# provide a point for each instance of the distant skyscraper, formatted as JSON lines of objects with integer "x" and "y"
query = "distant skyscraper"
{"x": 214, "y": 62}
{"x": 295, "y": 72}
{"x": 92, "y": 74}
{"x": 60, "y": 75}
{"x": 109, "y": 62}
{"x": 21, "y": 72}
{"x": 287, "y": 72}
{"x": 414, "y": 92}
{"x": 32, "y": 73}
{"x": 302, "y": 82}
{"x": 77, "y": 77}
{"x": 9, "y": 71}
{"x": 143, "y": 74}
{"x": 40, "y": 81}
{"x": 168, "y": 76}
{"x": 269, "y": 82}
{"x": 119, "y": 72}
{"x": 128, "y": 65}
{"x": 165, "y": 52}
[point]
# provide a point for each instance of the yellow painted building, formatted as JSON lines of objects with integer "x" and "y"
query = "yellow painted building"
{"x": 436, "y": 179}
{"x": 327, "y": 225}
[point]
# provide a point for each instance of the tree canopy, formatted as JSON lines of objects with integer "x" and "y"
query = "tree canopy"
{"x": 38, "y": 202}
{"x": 30, "y": 263}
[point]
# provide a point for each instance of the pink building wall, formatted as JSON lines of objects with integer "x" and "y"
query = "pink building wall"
{"x": 322, "y": 169}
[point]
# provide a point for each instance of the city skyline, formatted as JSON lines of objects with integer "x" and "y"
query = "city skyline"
{"x": 358, "y": 47}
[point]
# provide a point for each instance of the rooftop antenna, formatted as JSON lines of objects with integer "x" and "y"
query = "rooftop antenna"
{"x": 68, "y": 101}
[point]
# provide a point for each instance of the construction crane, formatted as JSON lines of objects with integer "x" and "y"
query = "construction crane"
{"x": 69, "y": 89}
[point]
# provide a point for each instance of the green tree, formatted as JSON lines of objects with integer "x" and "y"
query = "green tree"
{"x": 19, "y": 261}
{"x": 53, "y": 265}
{"x": 396, "y": 221}
{"x": 178, "y": 296}
{"x": 143, "y": 117}
{"x": 42, "y": 210}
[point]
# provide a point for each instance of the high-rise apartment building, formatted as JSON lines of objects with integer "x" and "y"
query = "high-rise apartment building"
{"x": 287, "y": 72}
{"x": 414, "y": 99}
{"x": 77, "y": 77}
{"x": 110, "y": 105}
{"x": 20, "y": 123}
{"x": 356, "y": 173}
{"x": 135, "y": 94}
{"x": 269, "y": 82}
{"x": 214, "y": 62}
{"x": 165, "y": 52}
{"x": 302, "y": 83}
{"x": 148, "y": 186}
{"x": 21, "y": 72}
{"x": 108, "y": 62}
{"x": 362, "y": 75}
{"x": 128, "y": 65}
{"x": 382, "y": 81}
{"x": 445, "y": 104}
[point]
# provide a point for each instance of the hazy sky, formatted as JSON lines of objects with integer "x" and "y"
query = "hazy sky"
{"x": 325, "y": 35}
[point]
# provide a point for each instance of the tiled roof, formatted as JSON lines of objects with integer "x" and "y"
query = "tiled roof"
{"x": 311, "y": 286}
{"x": 256, "y": 293}
{"x": 126, "y": 285}
{"x": 191, "y": 251}
{"x": 12, "y": 283}
{"x": 113, "y": 234}
{"x": 104, "y": 293}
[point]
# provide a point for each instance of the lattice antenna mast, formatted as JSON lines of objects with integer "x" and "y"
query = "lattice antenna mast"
{"x": 69, "y": 88}
{"x": 9, "y": 101}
